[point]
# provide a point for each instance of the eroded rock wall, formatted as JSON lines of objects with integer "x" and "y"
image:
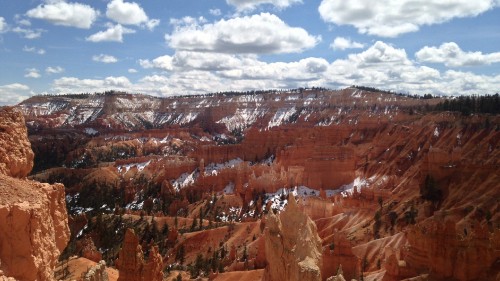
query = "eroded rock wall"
{"x": 16, "y": 156}
{"x": 33, "y": 219}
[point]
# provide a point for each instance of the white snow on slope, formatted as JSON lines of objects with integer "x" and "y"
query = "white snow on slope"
{"x": 282, "y": 115}
{"x": 242, "y": 118}
{"x": 213, "y": 168}
{"x": 91, "y": 131}
{"x": 184, "y": 180}
{"x": 140, "y": 166}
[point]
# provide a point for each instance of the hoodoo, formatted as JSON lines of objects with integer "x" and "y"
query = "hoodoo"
{"x": 293, "y": 247}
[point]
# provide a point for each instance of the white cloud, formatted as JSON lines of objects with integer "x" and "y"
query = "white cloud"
{"x": 234, "y": 72}
{"x": 104, "y": 58}
{"x": 129, "y": 13}
{"x": 215, "y": 12}
{"x": 386, "y": 67}
{"x": 21, "y": 21}
{"x": 62, "y": 13}
{"x": 114, "y": 33}
{"x": 76, "y": 85}
{"x": 163, "y": 62}
{"x": 451, "y": 55}
{"x": 258, "y": 34}
{"x": 381, "y": 65}
{"x": 188, "y": 21}
{"x": 28, "y": 33}
{"x": 341, "y": 43}
{"x": 391, "y": 18}
{"x": 32, "y": 73}
{"x": 3, "y": 25}
{"x": 249, "y": 5}
{"x": 151, "y": 24}
{"x": 54, "y": 70}
{"x": 14, "y": 93}
{"x": 132, "y": 70}
{"x": 33, "y": 50}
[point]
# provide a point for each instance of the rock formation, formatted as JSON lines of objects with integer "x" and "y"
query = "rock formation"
{"x": 453, "y": 251}
{"x": 131, "y": 264}
{"x": 33, "y": 219}
{"x": 89, "y": 250}
{"x": 16, "y": 156}
{"x": 338, "y": 276}
{"x": 97, "y": 273}
{"x": 293, "y": 247}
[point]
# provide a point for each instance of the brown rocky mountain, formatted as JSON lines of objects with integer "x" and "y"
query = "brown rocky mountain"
{"x": 386, "y": 188}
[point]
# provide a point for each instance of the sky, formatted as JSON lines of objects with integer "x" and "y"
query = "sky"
{"x": 179, "y": 47}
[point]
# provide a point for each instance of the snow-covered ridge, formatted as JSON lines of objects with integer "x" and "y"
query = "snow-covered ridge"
{"x": 235, "y": 111}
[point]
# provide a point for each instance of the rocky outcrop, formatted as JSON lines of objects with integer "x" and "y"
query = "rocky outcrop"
{"x": 293, "y": 247}
{"x": 16, "y": 156}
{"x": 338, "y": 276}
{"x": 89, "y": 250}
{"x": 33, "y": 219}
{"x": 97, "y": 273}
{"x": 131, "y": 264}
{"x": 450, "y": 250}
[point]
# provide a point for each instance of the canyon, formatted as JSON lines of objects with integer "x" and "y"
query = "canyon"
{"x": 306, "y": 184}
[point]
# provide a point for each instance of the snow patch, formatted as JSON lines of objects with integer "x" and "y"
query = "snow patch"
{"x": 282, "y": 115}
{"x": 212, "y": 169}
{"x": 436, "y": 132}
{"x": 184, "y": 180}
{"x": 91, "y": 131}
{"x": 126, "y": 168}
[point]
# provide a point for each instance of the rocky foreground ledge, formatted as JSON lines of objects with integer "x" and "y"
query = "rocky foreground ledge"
{"x": 33, "y": 218}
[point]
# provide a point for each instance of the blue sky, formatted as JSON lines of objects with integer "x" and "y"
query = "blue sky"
{"x": 180, "y": 47}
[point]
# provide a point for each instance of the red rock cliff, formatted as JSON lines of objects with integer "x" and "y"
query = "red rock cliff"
{"x": 33, "y": 219}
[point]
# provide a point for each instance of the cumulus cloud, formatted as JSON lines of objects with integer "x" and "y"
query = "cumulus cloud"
{"x": 54, "y": 70}
{"x": 129, "y": 13}
{"x": 33, "y": 50}
{"x": 62, "y": 13}
{"x": 132, "y": 70}
{"x": 3, "y": 25}
{"x": 341, "y": 43}
{"x": 258, "y": 34}
{"x": 28, "y": 33}
{"x": 114, "y": 33}
{"x": 104, "y": 58}
{"x": 11, "y": 94}
{"x": 394, "y": 17}
{"x": 77, "y": 85}
{"x": 381, "y": 65}
{"x": 32, "y": 73}
{"x": 163, "y": 63}
{"x": 451, "y": 55}
{"x": 249, "y": 5}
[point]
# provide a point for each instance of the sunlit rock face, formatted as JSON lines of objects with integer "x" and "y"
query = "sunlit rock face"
{"x": 293, "y": 247}
{"x": 33, "y": 217}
